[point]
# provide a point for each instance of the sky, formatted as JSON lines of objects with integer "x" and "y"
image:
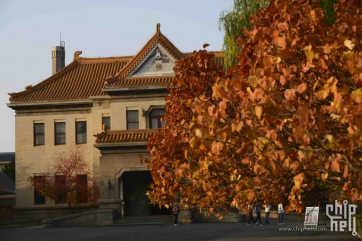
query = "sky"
{"x": 99, "y": 28}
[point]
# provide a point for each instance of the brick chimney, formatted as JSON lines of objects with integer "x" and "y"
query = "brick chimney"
{"x": 58, "y": 57}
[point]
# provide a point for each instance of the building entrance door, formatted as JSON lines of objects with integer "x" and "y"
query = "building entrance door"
{"x": 135, "y": 186}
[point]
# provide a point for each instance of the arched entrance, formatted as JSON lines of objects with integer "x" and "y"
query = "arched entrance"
{"x": 135, "y": 186}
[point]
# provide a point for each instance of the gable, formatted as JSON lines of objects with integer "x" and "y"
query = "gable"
{"x": 157, "y": 39}
{"x": 157, "y": 62}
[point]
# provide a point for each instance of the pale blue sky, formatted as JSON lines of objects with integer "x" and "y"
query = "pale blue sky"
{"x": 29, "y": 29}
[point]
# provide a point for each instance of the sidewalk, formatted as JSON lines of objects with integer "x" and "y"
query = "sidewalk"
{"x": 193, "y": 232}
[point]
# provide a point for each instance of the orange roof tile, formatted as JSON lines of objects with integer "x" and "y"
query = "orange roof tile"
{"x": 139, "y": 81}
{"x": 78, "y": 80}
{"x": 117, "y": 136}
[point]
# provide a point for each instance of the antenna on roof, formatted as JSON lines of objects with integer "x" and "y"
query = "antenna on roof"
{"x": 62, "y": 43}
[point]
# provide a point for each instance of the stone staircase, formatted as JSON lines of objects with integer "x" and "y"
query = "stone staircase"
{"x": 144, "y": 220}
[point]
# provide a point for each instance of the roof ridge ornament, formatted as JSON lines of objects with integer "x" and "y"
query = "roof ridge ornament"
{"x": 76, "y": 54}
{"x": 29, "y": 88}
{"x": 158, "y": 30}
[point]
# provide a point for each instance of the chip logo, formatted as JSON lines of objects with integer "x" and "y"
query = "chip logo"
{"x": 340, "y": 216}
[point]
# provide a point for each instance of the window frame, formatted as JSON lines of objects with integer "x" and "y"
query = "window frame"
{"x": 159, "y": 122}
{"x": 35, "y": 135}
{"x": 133, "y": 122}
{"x": 79, "y": 177}
{"x": 37, "y": 196}
{"x": 108, "y": 127}
{"x": 55, "y": 133}
{"x": 76, "y": 132}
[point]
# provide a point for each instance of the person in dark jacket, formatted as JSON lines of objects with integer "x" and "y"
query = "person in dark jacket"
{"x": 250, "y": 212}
{"x": 258, "y": 210}
{"x": 176, "y": 211}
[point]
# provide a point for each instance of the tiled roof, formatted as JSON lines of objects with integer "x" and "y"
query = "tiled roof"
{"x": 139, "y": 81}
{"x": 6, "y": 156}
{"x": 6, "y": 183}
{"x": 86, "y": 77}
{"x": 78, "y": 80}
{"x": 125, "y": 136}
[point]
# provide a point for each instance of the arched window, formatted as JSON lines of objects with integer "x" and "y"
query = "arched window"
{"x": 155, "y": 119}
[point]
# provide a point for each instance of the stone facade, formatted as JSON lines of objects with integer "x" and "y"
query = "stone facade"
{"x": 36, "y": 160}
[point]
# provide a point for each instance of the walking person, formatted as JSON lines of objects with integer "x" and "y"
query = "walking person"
{"x": 176, "y": 211}
{"x": 258, "y": 210}
{"x": 250, "y": 212}
{"x": 267, "y": 213}
{"x": 280, "y": 214}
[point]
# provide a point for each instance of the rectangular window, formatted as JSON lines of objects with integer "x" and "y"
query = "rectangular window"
{"x": 39, "y": 138}
{"x": 82, "y": 188}
{"x": 81, "y": 127}
{"x": 59, "y": 133}
{"x": 38, "y": 199}
{"x": 106, "y": 121}
{"x": 61, "y": 188}
{"x": 132, "y": 120}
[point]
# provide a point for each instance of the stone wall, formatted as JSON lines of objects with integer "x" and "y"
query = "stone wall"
{"x": 93, "y": 218}
{"x": 101, "y": 108}
{"x": 36, "y": 212}
{"x": 38, "y": 160}
{"x": 119, "y": 107}
{"x": 111, "y": 162}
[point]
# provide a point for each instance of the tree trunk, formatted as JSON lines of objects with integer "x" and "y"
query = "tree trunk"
{"x": 71, "y": 209}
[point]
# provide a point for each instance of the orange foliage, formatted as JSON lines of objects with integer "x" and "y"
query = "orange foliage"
{"x": 284, "y": 123}
{"x": 71, "y": 181}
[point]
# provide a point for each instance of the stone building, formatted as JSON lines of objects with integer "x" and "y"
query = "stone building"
{"x": 69, "y": 108}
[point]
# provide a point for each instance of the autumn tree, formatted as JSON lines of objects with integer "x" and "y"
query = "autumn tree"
{"x": 232, "y": 21}
{"x": 283, "y": 124}
{"x": 70, "y": 182}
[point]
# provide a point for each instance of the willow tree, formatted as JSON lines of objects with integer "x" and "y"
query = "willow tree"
{"x": 232, "y": 21}
{"x": 329, "y": 11}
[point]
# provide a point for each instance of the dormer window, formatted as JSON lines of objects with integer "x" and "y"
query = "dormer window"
{"x": 155, "y": 119}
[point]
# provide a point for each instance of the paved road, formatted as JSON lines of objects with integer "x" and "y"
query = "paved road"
{"x": 196, "y": 231}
